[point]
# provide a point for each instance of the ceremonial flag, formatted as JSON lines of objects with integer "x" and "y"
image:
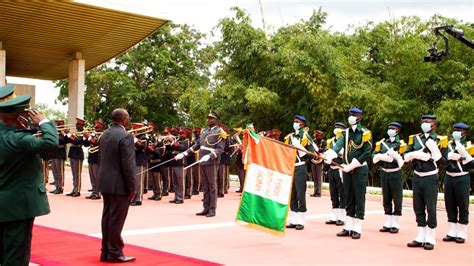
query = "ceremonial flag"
{"x": 267, "y": 189}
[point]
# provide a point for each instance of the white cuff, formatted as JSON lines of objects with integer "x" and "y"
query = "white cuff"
{"x": 46, "y": 120}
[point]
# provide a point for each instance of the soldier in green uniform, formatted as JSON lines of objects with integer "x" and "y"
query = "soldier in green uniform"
{"x": 357, "y": 144}
{"x": 21, "y": 180}
{"x": 301, "y": 140}
{"x": 427, "y": 157}
{"x": 456, "y": 184}
{"x": 387, "y": 155}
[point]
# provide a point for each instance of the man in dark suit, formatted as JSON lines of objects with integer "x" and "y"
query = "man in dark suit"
{"x": 116, "y": 183}
{"x": 22, "y": 190}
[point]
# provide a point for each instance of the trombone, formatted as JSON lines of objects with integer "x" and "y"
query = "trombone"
{"x": 142, "y": 130}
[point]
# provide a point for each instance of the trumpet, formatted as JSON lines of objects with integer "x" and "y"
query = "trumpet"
{"x": 142, "y": 130}
{"x": 168, "y": 139}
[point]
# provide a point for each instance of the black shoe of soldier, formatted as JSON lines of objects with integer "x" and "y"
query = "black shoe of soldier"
{"x": 291, "y": 226}
{"x": 460, "y": 240}
{"x": 165, "y": 194}
{"x": 211, "y": 213}
{"x": 394, "y": 230}
{"x": 449, "y": 238}
{"x": 195, "y": 193}
{"x": 339, "y": 223}
{"x": 384, "y": 229}
{"x": 70, "y": 194}
{"x": 415, "y": 244}
{"x": 356, "y": 235}
{"x": 299, "y": 227}
{"x": 76, "y": 194}
{"x": 135, "y": 203}
{"x": 202, "y": 213}
{"x": 331, "y": 222}
{"x": 187, "y": 197}
{"x": 428, "y": 246}
{"x": 153, "y": 197}
{"x": 344, "y": 232}
{"x": 179, "y": 202}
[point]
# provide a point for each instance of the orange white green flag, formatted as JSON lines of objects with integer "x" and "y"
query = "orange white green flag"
{"x": 266, "y": 194}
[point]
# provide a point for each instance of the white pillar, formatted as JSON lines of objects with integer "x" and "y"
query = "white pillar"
{"x": 3, "y": 66}
{"x": 76, "y": 88}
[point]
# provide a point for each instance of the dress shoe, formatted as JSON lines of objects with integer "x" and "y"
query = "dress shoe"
{"x": 76, "y": 194}
{"x": 355, "y": 235}
{"x": 153, "y": 197}
{"x": 394, "y": 230}
{"x": 220, "y": 195}
{"x": 460, "y": 240}
{"x": 179, "y": 202}
{"x": 135, "y": 203}
{"x": 58, "y": 192}
{"x": 211, "y": 213}
{"x": 187, "y": 197}
{"x": 299, "y": 227}
{"x": 195, "y": 193}
{"x": 331, "y": 222}
{"x": 158, "y": 198}
{"x": 344, "y": 232}
{"x": 384, "y": 229}
{"x": 339, "y": 223}
{"x": 290, "y": 226}
{"x": 165, "y": 194}
{"x": 428, "y": 246}
{"x": 172, "y": 201}
{"x": 96, "y": 197}
{"x": 415, "y": 244}
{"x": 202, "y": 213}
{"x": 315, "y": 195}
{"x": 90, "y": 190}
{"x": 90, "y": 196}
{"x": 121, "y": 259}
{"x": 70, "y": 194}
{"x": 449, "y": 238}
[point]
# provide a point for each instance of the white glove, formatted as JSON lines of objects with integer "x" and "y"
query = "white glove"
{"x": 376, "y": 158}
{"x": 179, "y": 156}
{"x": 385, "y": 157}
{"x": 135, "y": 140}
{"x": 301, "y": 147}
{"x": 397, "y": 157}
{"x": 433, "y": 147}
{"x": 464, "y": 154}
{"x": 392, "y": 153}
{"x": 420, "y": 155}
{"x": 454, "y": 156}
{"x": 205, "y": 158}
{"x": 329, "y": 155}
{"x": 349, "y": 167}
{"x": 409, "y": 156}
{"x": 460, "y": 147}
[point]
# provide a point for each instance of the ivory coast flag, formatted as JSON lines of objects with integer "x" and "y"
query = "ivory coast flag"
{"x": 266, "y": 195}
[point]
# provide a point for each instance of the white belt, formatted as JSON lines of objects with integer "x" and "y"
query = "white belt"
{"x": 300, "y": 163}
{"x": 391, "y": 170}
{"x": 207, "y": 148}
{"x": 456, "y": 174}
{"x": 422, "y": 174}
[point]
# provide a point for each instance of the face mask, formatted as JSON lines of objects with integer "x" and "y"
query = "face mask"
{"x": 296, "y": 126}
{"x": 352, "y": 120}
{"x": 391, "y": 133}
{"x": 426, "y": 127}
{"x": 457, "y": 135}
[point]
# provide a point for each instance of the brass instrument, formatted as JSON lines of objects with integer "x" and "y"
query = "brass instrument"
{"x": 142, "y": 130}
{"x": 168, "y": 139}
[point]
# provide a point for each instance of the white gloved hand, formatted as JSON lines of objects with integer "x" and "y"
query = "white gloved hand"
{"x": 454, "y": 156}
{"x": 420, "y": 155}
{"x": 349, "y": 167}
{"x": 385, "y": 157}
{"x": 459, "y": 147}
{"x": 205, "y": 158}
{"x": 329, "y": 155}
{"x": 433, "y": 147}
{"x": 179, "y": 156}
{"x": 466, "y": 157}
{"x": 376, "y": 158}
{"x": 392, "y": 153}
{"x": 409, "y": 156}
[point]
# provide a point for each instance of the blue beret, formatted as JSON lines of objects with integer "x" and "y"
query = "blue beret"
{"x": 340, "y": 124}
{"x": 355, "y": 111}
{"x": 395, "y": 124}
{"x": 300, "y": 117}
{"x": 432, "y": 117}
{"x": 461, "y": 126}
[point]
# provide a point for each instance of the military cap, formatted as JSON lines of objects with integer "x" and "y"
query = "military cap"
{"x": 100, "y": 124}
{"x": 213, "y": 114}
{"x": 137, "y": 125}
{"x": 395, "y": 124}
{"x": 80, "y": 121}
{"x": 184, "y": 130}
{"x": 12, "y": 103}
{"x": 355, "y": 111}
{"x": 300, "y": 117}
{"x": 461, "y": 126}
{"x": 431, "y": 117}
{"x": 59, "y": 122}
{"x": 340, "y": 124}
{"x": 174, "y": 129}
{"x": 197, "y": 129}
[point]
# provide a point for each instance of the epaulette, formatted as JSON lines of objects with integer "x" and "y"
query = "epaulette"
{"x": 378, "y": 145}
{"x": 287, "y": 138}
{"x": 223, "y": 134}
{"x": 305, "y": 140}
{"x": 339, "y": 133}
{"x": 366, "y": 136}
{"x": 403, "y": 147}
{"x": 443, "y": 141}
{"x": 328, "y": 142}
{"x": 411, "y": 139}
{"x": 470, "y": 148}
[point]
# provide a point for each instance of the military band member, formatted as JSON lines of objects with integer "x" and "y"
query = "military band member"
{"x": 195, "y": 170}
{"x": 317, "y": 163}
{"x": 210, "y": 146}
{"x": 357, "y": 144}
{"x": 223, "y": 170}
{"x": 336, "y": 187}
{"x": 387, "y": 155}
{"x": 302, "y": 140}
{"x": 93, "y": 159}
{"x": 45, "y": 159}
{"x": 58, "y": 158}
{"x": 276, "y": 134}
{"x": 140, "y": 163}
{"x": 76, "y": 156}
{"x": 166, "y": 169}
{"x": 177, "y": 166}
{"x": 426, "y": 151}
{"x": 156, "y": 151}
{"x": 456, "y": 184}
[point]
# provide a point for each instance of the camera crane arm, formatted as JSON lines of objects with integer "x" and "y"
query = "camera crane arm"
{"x": 436, "y": 55}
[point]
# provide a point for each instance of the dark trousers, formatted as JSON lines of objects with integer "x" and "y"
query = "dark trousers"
{"x": 113, "y": 218}
{"x": 392, "y": 191}
{"x": 139, "y": 183}
{"x": 93, "y": 174}
{"x": 188, "y": 182}
{"x": 196, "y": 170}
{"x": 298, "y": 190}
{"x": 336, "y": 189}
{"x": 15, "y": 242}
{"x": 241, "y": 175}
{"x": 178, "y": 181}
{"x": 316, "y": 174}
{"x": 155, "y": 182}
{"x": 223, "y": 177}
{"x": 45, "y": 170}
{"x": 57, "y": 166}
{"x": 76, "y": 169}
{"x": 165, "y": 175}
{"x": 456, "y": 198}
{"x": 425, "y": 195}
{"x": 355, "y": 186}
{"x": 209, "y": 186}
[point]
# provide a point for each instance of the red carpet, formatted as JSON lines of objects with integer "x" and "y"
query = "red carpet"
{"x": 53, "y": 247}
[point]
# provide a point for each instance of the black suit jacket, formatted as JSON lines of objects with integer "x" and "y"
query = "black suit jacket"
{"x": 116, "y": 161}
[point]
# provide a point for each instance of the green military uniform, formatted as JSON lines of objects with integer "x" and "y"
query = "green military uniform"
{"x": 456, "y": 185}
{"x": 387, "y": 156}
{"x": 426, "y": 156}
{"x": 357, "y": 144}
{"x": 20, "y": 174}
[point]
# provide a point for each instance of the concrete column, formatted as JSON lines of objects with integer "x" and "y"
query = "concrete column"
{"x": 76, "y": 88}
{"x": 3, "y": 66}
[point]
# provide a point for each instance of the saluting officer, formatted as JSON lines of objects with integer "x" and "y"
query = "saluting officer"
{"x": 456, "y": 184}
{"x": 357, "y": 144}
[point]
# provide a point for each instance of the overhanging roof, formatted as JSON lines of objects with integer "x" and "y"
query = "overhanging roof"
{"x": 40, "y": 37}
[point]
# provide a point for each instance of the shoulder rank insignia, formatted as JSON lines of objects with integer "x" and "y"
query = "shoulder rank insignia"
{"x": 223, "y": 134}
{"x": 329, "y": 142}
{"x": 470, "y": 148}
{"x": 366, "y": 136}
{"x": 378, "y": 145}
{"x": 287, "y": 138}
{"x": 443, "y": 141}
{"x": 411, "y": 139}
{"x": 403, "y": 147}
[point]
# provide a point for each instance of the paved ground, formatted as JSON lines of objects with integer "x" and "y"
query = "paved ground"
{"x": 174, "y": 228}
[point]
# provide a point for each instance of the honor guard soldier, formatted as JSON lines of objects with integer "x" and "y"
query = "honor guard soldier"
{"x": 177, "y": 166}
{"x": 456, "y": 184}
{"x": 58, "y": 158}
{"x": 168, "y": 140}
{"x": 189, "y": 179}
{"x": 195, "y": 169}
{"x": 317, "y": 164}
{"x": 156, "y": 151}
{"x": 76, "y": 156}
{"x": 336, "y": 187}
{"x": 387, "y": 154}
{"x": 140, "y": 163}
{"x": 357, "y": 144}
{"x": 302, "y": 140}
{"x": 210, "y": 146}
{"x": 92, "y": 142}
{"x": 426, "y": 151}
{"x": 223, "y": 171}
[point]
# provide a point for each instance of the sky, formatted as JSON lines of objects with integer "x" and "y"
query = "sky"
{"x": 205, "y": 14}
